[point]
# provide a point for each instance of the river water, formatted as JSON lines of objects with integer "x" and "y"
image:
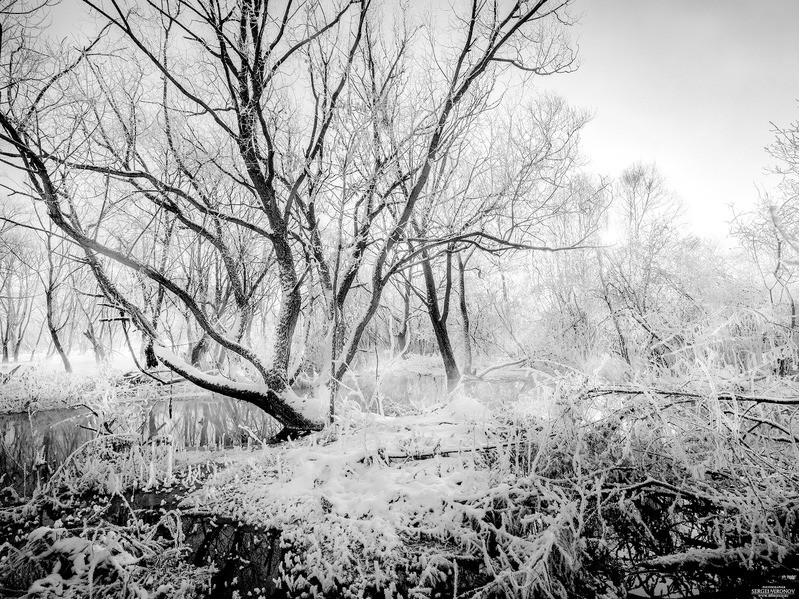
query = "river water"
{"x": 33, "y": 444}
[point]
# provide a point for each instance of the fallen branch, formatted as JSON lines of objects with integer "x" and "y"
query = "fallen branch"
{"x": 602, "y": 391}
{"x": 482, "y": 373}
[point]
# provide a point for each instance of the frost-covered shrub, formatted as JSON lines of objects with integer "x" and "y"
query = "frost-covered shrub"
{"x": 604, "y": 492}
{"x": 35, "y": 388}
{"x": 104, "y": 561}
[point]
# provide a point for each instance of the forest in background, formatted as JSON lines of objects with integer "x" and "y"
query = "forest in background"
{"x": 284, "y": 213}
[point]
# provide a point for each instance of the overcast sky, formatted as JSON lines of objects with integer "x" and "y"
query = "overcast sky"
{"x": 690, "y": 85}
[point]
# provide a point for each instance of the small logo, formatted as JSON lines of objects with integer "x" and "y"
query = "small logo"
{"x": 775, "y": 590}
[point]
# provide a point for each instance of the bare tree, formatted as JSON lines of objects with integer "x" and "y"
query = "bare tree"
{"x": 203, "y": 131}
{"x": 17, "y": 291}
{"x": 502, "y": 200}
{"x": 636, "y": 278}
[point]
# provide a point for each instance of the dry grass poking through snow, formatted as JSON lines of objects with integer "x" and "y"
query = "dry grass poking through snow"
{"x": 605, "y": 491}
{"x": 577, "y": 492}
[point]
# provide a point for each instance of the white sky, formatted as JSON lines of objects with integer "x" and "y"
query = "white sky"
{"x": 692, "y": 85}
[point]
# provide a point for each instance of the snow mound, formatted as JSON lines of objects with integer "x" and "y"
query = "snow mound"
{"x": 467, "y": 409}
{"x": 350, "y": 503}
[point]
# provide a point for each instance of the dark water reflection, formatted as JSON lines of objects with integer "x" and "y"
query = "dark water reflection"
{"x": 34, "y": 444}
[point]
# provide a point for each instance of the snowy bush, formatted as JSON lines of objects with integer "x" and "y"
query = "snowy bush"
{"x": 103, "y": 561}
{"x": 614, "y": 490}
{"x": 34, "y": 388}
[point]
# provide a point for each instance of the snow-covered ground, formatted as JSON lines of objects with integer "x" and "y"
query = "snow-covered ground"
{"x": 374, "y": 496}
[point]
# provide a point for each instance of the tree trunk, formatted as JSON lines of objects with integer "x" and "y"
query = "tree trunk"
{"x": 334, "y": 383}
{"x": 438, "y": 319}
{"x": 290, "y": 304}
{"x": 97, "y": 348}
{"x": 48, "y": 295}
{"x": 150, "y": 361}
{"x": 11, "y": 345}
{"x": 467, "y": 339}
{"x": 6, "y": 336}
{"x": 447, "y": 355}
{"x": 59, "y": 348}
{"x": 38, "y": 339}
{"x": 22, "y": 331}
{"x": 199, "y": 350}
{"x": 401, "y": 339}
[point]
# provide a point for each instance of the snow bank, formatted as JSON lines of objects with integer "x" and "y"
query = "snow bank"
{"x": 467, "y": 409}
{"x": 348, "y": 505}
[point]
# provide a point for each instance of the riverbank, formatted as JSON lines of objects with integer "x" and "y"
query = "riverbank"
{"x": 573, "y": 492}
